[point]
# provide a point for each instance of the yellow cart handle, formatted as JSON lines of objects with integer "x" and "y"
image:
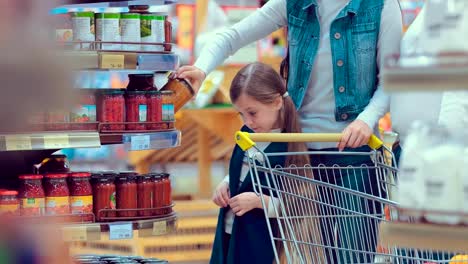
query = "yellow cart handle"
{"x": 247, "y": 140}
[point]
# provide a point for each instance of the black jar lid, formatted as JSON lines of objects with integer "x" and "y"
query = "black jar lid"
{"x": 144, "y": 177}
{"x": 164, "y": 175}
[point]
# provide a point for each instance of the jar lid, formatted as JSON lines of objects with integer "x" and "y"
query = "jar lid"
{"x": 155, "y": 176}
{"x": 144, "y": 177}
{"x": 8, "y": 193}
{"x": 128, "y": 173}
{"x": 56, "y": 176}
{"x": 138, "y": 7}
{"x": 164, "y": 175}
{"x": 80, "y": 175}
{"x": 126, "y": 178}
{"x": 31, "y": 177}
{"x": 113, "y": 92}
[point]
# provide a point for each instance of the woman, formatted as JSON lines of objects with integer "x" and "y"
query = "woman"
{"x": 336, "y": 51}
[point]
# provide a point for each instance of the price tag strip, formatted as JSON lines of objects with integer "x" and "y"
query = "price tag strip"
{"x": 56, "y": 141}
{"x": 142, "y": 142}
{"x": 112, "y": 61}
{"x": 159, "y": 228}
{"x": 18, "y": 143}
{"x": 120, "y": 231}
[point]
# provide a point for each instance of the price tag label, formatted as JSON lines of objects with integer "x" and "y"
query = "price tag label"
{"x": 120, "y": 231}
{"x": 159, "y": 228}
{"x": 75, "y": 233}
{"x": 56, "y": 141}
{"x": 112, "y": 61}
{"x": 140, "y": 142}
{"x": 18, "y": 143}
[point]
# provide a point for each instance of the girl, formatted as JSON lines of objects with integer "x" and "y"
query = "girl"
{"x": 259, "y": 94}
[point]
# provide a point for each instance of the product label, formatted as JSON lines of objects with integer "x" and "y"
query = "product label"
{"x": 130, "y": 33}
{"x": 142, "y": 110}
{"x": 32, "y": 206}
{"x": 108, "y": 30}
{"x": 112, "y": 201}
{"x": 167, "y": 112}
{"x": 83, "y": 114}
{"x": 10, "y": 209}
{"x": 81, "y": 204}
{"x": 57, "y": 205}
{"x": 83, "y": 29}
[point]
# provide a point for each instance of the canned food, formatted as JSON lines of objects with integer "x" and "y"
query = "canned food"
{"x": 152, "y": 30}
{"x": 130, "y": 23}
{"x": 108, "y": 29}
{"x": 83, "y": 28}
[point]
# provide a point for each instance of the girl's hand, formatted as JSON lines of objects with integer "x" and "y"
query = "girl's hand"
{"x": 221, "y": 194}
{"x": 244, "y": 202}
{"x": 355, "y": 135}
{"x": 193, "y": 74}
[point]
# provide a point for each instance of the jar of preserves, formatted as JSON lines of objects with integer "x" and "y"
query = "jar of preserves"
{"x": 57, "y": 200}
{"x": 127, "y": 195}
{"x": 145, "y": 187}
{"x": 83, "y": 115}
{"x": 81, "y": 193}
{"x": 140, "y": 82}
{"x": 56, "y": 163}
{"x": 31, "y": 195}
{"x": 154, "y": 117}
{"x": 9, "y": 203}
{"x": 167, "y": 189}
{"x": 183, "y": 92}
{"x": 167, "y": 109}
{"x": 137, "y": 109}
{"x": 158, "y": 193}
{"x": 104, "y": 194}
{"x": 112, "y": 110}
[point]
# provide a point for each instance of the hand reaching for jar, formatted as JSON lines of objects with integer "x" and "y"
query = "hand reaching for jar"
{"x": 221, "y": 194}
{"x": 193, "y": 74}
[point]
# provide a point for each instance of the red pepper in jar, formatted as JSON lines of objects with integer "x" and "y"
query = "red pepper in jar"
{"x": 57, "y": 194}
{"x": 158, "y": 194}
{"x": 145, "y": 186}
{"x": 112, "y": 110}
{"x": 9, "y": 203}
{"x": 136, "y": 107}
{"x": 31, "y": 195}
{"x": 167, "y": 190}
{"x": 126, "y": 194}
{"x": 81, "y": 194}
{"x": 154, "y": 116}
{"x": 104, "y": 194}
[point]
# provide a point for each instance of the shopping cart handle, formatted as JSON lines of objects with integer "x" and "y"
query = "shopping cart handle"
{"x": 247, "y": 140}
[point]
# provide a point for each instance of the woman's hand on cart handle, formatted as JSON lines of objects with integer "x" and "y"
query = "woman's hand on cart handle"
{"x": 244, "y": 202}
{"x": 355, "y": 135}
{"x": 221, "y": 194}
{"x": 193, "y": 74}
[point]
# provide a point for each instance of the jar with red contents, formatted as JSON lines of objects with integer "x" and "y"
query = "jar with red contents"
{"x": 145, "y": 187}
{"x": 81, "y": 194}
{"x": 136, "y": 109}
{"x": 127, "y": 194}
{"x": 57, "y": 194}
{"x": 9, "y": 203}
{"x": 104, "y": 194}
{"x": 158, "y": 193}
{"x": 167, "y": 189}
{"x": 83, "y": 115}
{"x": 112, "y": 110}
{"x": 31, "y": 195}
{"x": 154, "y": 117}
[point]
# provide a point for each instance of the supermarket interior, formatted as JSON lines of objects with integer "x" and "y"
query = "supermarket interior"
{"x": 129, "y": 124}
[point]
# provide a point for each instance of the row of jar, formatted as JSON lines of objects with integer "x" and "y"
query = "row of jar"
{"x": 122, "y": 109}
{"x": 124, "y": 194}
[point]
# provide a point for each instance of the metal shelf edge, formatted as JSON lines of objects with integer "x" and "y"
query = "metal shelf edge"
{"x": 48, "y": 140}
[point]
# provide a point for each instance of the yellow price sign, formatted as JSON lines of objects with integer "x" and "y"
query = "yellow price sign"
{"x": 56, "y": 141}
{"x": 112, "y": 61}
{"x": 159, "y": 228}
{"x": 18, "y": 143}
{"x": 75, "y": 233}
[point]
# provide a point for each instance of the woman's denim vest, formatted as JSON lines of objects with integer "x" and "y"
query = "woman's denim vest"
{"x": 353, "y": 35}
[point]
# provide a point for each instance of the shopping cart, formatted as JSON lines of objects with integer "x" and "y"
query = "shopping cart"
{"x": 325, "y": 212}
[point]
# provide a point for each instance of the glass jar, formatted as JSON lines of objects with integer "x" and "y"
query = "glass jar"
{"x": 167, "y": 109}
{"x": 127, "y": 197}
{"x": 167, "y": 189}
{"x": 154, "y": 117}
{"x": 56, "y": 163}
{"x": 9, "y": 203}
{"x": 158, "y": 193}
{"x": 112, "y": 110}
{"x": 57, "y": 201}
{"x": 31, "y": 195}
{"x": 83, "y": 115}
{"x": 81, "y": 193}
{"x": 136, "y": 107}
{"x": 104, "y": 194}
{"x": 140, "y": 82}
{"x": 183, "y": 92}
{"x": 145, "y": 186}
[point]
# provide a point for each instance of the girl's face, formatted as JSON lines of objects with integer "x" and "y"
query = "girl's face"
{"x": 259, "y": 117}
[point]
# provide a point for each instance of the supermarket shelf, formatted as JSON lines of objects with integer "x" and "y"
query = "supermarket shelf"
{"x": 426, "y": 73}
{"x": 49, "y": 140}
{"x": 120, "y": 230}
{"x": 424, "y": 236}
{"x": 114, "y": 3}
{"x": 144, "y": 141}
